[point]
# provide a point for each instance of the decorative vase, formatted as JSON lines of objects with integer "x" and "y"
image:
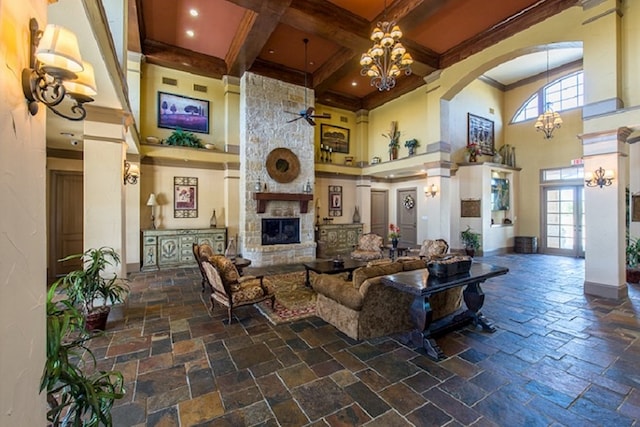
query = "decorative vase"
{"x": 393, "y": 153}
{"x": 231, "y": 250}
{"x": 497, "y": 158}
{"x": 394, "y": 242}
{"x": 473, "y": 157}
{"x": 356, "y": 216}
{"x": 213, "y": 222}
{"x": 97, "y": 319}
{"x": 412, "y": 151}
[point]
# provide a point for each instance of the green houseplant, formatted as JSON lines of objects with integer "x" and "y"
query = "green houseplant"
{"x": 182, "y": 138}
{"x": 88, "y": 284}
{"x": 412, "y": 144}
{"x": 633, "y": 260}
{"x": 470, "y": 240}
{"x": 74, "y": 397}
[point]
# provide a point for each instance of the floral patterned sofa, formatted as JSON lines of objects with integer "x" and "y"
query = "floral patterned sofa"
{"x": 364, "y": 308}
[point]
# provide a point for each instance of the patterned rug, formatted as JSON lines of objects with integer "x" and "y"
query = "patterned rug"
{"x": 294, "y": 301}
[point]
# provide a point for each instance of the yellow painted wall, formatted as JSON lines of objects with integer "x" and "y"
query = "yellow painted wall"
{"x": 151, "y": 84}
{"x": 630, "y": 57}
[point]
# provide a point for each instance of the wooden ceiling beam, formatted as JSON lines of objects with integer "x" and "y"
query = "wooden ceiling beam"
{"x": 134, "y": 23}
{"x": 333, "y": 70}
{"x": 339, "y": 100}
{"x": 508, "y": 27}
{"x": 254, "y": 31}
{"x": 277, "y": 71}
{"x": 182, "y": 59}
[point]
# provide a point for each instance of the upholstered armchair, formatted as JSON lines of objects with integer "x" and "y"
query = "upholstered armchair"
{"x": 228, "y": 288}
{"x": 433, "y": 249}
{"x": 369, "y": 248}
{"x": 198, "y": 252}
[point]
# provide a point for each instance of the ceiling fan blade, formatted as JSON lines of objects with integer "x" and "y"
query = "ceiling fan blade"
{"x": 322, "y": 116}
{"x": 310, "y": 120}
{"x": 293, "y": 120}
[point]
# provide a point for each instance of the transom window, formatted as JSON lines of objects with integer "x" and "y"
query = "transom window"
{"x": 565, "y": 93}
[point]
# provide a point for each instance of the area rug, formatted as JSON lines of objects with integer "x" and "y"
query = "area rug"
{"x": 294, "y": 301}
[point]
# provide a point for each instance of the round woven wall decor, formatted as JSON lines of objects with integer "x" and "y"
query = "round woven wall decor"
{"x": 283, "y": 165}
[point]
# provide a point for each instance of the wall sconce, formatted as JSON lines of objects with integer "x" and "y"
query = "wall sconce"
{"x": 599, "y": 177}
{"x": 152, "y": 202}
{"x": 131, "y": 173}
{"x": 431, "y": 190}
{"x": 55, "y": 70}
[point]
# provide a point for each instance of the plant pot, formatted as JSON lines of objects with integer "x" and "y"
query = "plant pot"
{"x": 633, "y": 275}
{"x": 97, "y": 319}
{"x": 394, "y": 243}
{"x": 470, "y": 251}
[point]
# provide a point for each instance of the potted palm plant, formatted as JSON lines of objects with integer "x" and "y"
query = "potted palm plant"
{"x": 470, "y": 240}
{"x": 74, "y": 397}
{"x": 633, "y": 260}
{"x": 87, "y": 285}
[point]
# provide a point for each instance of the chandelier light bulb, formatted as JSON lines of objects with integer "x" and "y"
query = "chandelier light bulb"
{"x": 396, "y": 33}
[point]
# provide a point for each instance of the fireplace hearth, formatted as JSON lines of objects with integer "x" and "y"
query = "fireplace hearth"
{"x": 280, "y": 231}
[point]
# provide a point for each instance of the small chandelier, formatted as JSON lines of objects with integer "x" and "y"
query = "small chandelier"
{"x": 549, "y": 120}
{"x": 387, "y": 58}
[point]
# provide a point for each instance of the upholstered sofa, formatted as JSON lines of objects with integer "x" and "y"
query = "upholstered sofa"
{"x": 364, "y": 308}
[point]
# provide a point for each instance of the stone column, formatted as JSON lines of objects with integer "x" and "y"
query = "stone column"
{"x": 605, "y": 216}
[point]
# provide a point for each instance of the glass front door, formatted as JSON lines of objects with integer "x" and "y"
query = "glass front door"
{"x": 563, "y": 221}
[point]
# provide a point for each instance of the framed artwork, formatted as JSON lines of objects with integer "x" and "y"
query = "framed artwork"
{"x": 470, "y": 208}
{"x": 480, "y": 133}
{"x": 177, "y": 111}
{"x": 335, "y": 137}
{"x": 335, "y": 200}
{"x": 499, "y": 194}
{"x": 185, "y": 197}
{"x": 635, "y": 207}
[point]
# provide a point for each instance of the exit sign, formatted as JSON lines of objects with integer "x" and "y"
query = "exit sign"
{"x": 576, "y": 162}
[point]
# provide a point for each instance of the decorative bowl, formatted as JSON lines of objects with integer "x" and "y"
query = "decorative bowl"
{"x": 210, "y": 146}
{"x": 152, "y": 140}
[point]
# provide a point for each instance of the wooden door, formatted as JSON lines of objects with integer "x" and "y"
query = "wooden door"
{"x": 379, "y": 213}
{"x": 407, "y": 216}
{"x": 65, "y": 221}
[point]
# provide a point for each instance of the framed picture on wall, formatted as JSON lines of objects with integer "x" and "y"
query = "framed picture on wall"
{"x": 470, "y": 208}
{"x": 335, "y": 137}
{"x": 185, "y": 197}
{"x": 480, "y": 133}
{"x": 335, "y": 200}
{"x": 182, "y": 112}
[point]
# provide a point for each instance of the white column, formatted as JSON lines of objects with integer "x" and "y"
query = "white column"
{"x": 436, "y": 224}
{"x": 605, "y": 216}
{"x": 232, "y": 205}
{"x": 231, "y": 113}
{"x": 363, "y": 201}
{"x": 104, "y": 191}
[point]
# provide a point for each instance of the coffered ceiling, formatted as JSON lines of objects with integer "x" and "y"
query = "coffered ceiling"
{"x": 230, "y": 37}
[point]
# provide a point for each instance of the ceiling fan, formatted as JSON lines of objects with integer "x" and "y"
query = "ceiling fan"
{"x": 308, "y": 113}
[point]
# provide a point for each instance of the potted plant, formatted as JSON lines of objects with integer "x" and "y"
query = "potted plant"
{"x": 86, "y": 285}
{"x": 74, "y": 397}
{"x": 394, "y": 235}
{"x": 183, "y": 139}
{"x": 633, "y": 260}
{"x": 472, "y": 151}
{"x": 471, "y": 241}
{"x": 394, "y": 140}
{"x": 412, "y": 144}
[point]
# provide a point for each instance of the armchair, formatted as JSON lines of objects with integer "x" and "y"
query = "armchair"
{"x": 433, "y": 248}
{"x": 229, "y": 289}
{"x": 369, "y": 248}
{"x": 198, "y": 252}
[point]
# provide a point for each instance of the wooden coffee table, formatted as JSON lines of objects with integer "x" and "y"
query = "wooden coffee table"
{"x": 328, "y": 267}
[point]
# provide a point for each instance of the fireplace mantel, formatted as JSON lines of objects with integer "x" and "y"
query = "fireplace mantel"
{"x": 263, "y": 198}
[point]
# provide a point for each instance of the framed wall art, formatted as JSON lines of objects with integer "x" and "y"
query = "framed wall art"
{"x": 499, "y": 194}
{"x": 470, "y": 208}
{"x": 635, "y": 207}
{"x": 335, "y": 137}
{"x": 335, "y": 200}
{"x": 480, "y": 133}
{"x": 177, "y": 111}
{"x": 185, "y": 197}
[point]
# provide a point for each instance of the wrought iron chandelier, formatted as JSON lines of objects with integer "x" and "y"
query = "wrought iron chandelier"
{"x": 549, "y": 120}
{"x": 388, "y": 58}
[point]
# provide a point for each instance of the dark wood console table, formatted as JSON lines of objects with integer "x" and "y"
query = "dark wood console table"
{"x": 422, "y": 286}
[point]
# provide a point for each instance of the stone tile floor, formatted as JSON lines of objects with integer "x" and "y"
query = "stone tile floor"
{"x": 558, "y": 358}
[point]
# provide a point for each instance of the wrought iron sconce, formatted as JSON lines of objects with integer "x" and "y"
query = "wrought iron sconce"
{"x": 431, "y": 190}
{"x": 56, "y": 70}
{"x": 131, "y": 173}
{"x": 599, "y": 177}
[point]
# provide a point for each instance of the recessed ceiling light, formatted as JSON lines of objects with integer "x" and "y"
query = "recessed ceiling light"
{"x": 311, "y": 63}
{"x": 190, "y": 33}
{"x": 272, "y": 51}
{"x": 354, "y": 83}
{"x": 193, "y": 12}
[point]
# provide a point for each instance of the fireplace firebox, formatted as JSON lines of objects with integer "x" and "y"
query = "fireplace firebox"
{"x": 280, "y": 231}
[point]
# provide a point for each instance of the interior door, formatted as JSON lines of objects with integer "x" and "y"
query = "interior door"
{"x": 65, "y": 221}
{"x": 407, "y": 216}
{"x": 563, "y": 220}
{"x": 379, "y": 212}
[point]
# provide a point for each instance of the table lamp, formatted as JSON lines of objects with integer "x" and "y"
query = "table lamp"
{"x": 152, "y": 202}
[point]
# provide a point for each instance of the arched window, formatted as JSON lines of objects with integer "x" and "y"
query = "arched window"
{"x": 564, "y": 93}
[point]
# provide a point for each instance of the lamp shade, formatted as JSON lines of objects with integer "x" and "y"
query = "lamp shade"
{"x": 152, "y": 200}
{"x": 58, "y": 50}
{"x": 84, "y": 85}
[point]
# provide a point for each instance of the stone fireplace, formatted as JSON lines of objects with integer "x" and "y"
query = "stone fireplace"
{"x": 280, "y": 231}
{"x": 264, "y": 103}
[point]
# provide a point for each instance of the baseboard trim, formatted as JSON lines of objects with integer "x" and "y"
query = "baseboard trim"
{"x": 605, "y": 291}
{"x": 133, "y": 267}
